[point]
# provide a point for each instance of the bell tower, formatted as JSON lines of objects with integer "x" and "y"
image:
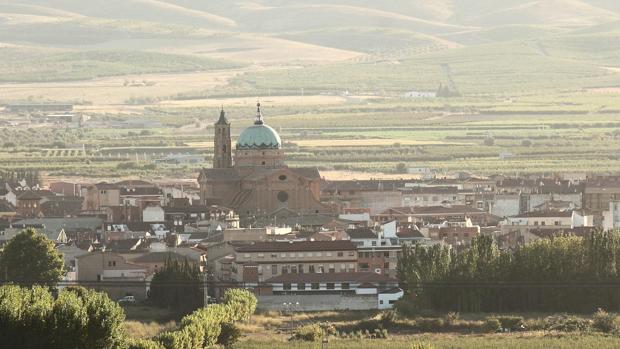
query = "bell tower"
{"x": 222, "y": 155}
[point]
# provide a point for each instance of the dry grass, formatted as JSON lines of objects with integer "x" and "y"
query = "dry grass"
{"x": 139, "y": 329}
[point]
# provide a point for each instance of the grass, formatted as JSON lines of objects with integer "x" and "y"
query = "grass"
{"x": 450, "y": 341}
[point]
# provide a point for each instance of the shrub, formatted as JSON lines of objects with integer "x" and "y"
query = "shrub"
{"x": 511, "y": 322}
{"x": 143, "y": 344}
{"x": 406, "y": 307}
{"x": 491, "y": 325}
{"x": 604, "y": 321}
{"x": 566, "y": 323}
{"x": 229, "y": 334}
{"x": 308, "y": 333}
{"x": 537, "y": 324}
{"x": 451, "y": 318}
{"x": 242, "y": 303}
{"x": 429, "y": 324}
{"x": 387, "y": 318}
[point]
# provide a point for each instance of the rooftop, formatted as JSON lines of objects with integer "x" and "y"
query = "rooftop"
{"x": 351, "y": 277}
{"x": 274, "y": 246}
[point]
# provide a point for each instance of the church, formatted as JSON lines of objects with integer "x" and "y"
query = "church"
{"x": 257, "y": 182}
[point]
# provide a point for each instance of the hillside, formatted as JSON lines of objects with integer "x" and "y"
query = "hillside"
{"x": 576, "y": 39}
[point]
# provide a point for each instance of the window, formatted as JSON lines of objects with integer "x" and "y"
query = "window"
{"x": 282, "y": 196}
{"x": 386, "y": 254}
{"x": 300, "y": 267}
{"x": 374, "y": 243}
{"x": 345, "y": 286}
{"x": 321, "y": 269}
{"x": 287, "y": 286}
{"x": 543, "y": 223}
{"x": 557, "y": 222}
{"x": 285, "y": 269}
{"x": 535, "y": 222}
{"x": 386, "y": 265}
{"x": 340, "y": 254}
{"x": 293, "y": 269}
{"x": 331, "y": 286}
{"x": 274, "y": 255}
{"x": 301, "y": 286}
{"x": 274, "y": 269}
{"x": 392, "y": 301}
{"x": 261, "y": 255}
{"x": 364, "y": 266}
{"x": 328, "y": 254}
{"x": 351, "y": 253}
{"x": 315, "y": 286}
{"x": 311, "y": 269}
{"x": 282, "y": 177}
{"x": 381, "y": 301}
{"x": 111, "y": 263}
{"x": 283, "y": 255}
{"x": 332, "y": 269}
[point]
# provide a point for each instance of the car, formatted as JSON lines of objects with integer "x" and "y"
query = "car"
{"x": 127, "y": 300}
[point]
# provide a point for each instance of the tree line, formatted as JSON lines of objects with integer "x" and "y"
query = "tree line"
{"x": 563, "y": 273}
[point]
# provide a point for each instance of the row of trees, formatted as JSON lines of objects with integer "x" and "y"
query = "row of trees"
{"x": 563, "y": 273}
{"x": 76, "y": 318}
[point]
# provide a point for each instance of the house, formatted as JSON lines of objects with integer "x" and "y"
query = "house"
{"x": 331, "y": 291}
{"x": 100, "y": 195}
{"x": 71, "y": 227}
{"x": 111, "y": 273}
{"x": 611, "y": 217}
{"x": 28, "y": 204}
{"x": 139, "y": 193}
{"x": 599, "y": 192}
{"x": 431, "y": 196}
{"x": 374, "y": 195}
{"x": 436, "y": 214}
{"x": 376, "y": 252}
{"x": 552, "y": 221}
{"x": 260, "y": 261}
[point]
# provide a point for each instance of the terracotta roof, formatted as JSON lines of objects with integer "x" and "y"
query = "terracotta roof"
{"x": 104, "y": 185}
{"x": 28, "y": 195}
{"x": 453, "y": 209}
{"x": 541, "y": 214}
{"x": 352, "y": 277}
{"x": 409, "y": 233}
{"x": 274, "y": 246}
{"x": 361, "y": 233}
{"x": 365, "y": 185}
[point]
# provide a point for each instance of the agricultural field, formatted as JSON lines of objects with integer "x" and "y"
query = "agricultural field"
{"x": 523, "y": 90}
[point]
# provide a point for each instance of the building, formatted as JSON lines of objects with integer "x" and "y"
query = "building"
{"x": 332, "y": 291}
{"x": 599, "y": 193}
{"x": 111, "y": 273}
{"x": 552, "y": 221}
{"x": 257, "y": 182}
{"x": 376, "y": 252}
{"x": 611, "y": 218}
{"x": 100, "y": 195}
{"x": 260, "y": 261}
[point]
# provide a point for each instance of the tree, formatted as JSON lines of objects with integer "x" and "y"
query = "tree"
{"x": 30, "y": 258}
{"x": 77, "y": 318}
{"x": 177, "y": 286}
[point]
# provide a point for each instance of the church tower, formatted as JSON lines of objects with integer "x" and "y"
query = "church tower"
{"x": 222, "y": 155}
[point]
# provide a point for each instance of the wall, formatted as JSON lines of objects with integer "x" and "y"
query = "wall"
{"x": 505, "y": 205}
{"x": 318, "y": 302}
{"x": 153, "y": 214}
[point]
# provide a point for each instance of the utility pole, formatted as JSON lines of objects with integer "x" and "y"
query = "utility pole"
{"x": 205, "y": 289}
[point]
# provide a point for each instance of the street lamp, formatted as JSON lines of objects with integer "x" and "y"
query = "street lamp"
{"x": 288, "y": 306}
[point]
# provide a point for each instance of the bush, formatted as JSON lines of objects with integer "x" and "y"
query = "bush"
{"x": 229, "y": 334}
{"x": 429, "y": 324}
{"x": 491, "y": 325}
{"x": 566, "y": 323}
{"x": 406, "y": 307}
{"x": 604, "y": 321}
{"x": 387, "y": 318}
{"x": 308, "y": 333}
{"x": 143, "y": 344}
{"x": 537, "y": 324}
{"x": 451, "y": 318}
{"x": 511, "y": 322}
{"x": 242, "y": 303}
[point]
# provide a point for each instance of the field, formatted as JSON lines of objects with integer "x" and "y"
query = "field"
{"x": 521, "y": 89}
{"x": 537, "y": 341}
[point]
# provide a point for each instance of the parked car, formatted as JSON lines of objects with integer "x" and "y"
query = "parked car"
{"x": 127, "y": 300}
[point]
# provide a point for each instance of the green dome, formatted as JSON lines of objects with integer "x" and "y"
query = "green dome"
{"x": 259, "y": 136}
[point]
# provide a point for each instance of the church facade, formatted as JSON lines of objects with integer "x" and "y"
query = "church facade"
{"x": 257, "y": 182}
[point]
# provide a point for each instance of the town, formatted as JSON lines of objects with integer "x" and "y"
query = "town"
{"x": 286, "y": 233}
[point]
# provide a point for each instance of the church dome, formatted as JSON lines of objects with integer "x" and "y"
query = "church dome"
{"x": 259, "y": 136}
